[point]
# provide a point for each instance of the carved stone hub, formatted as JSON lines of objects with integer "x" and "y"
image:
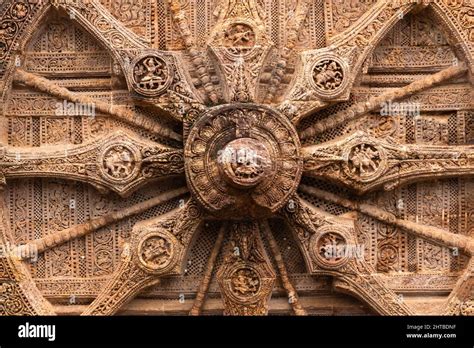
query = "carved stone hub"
{"x": 243, "y": 160}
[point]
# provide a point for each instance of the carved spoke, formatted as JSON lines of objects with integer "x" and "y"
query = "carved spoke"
{"x": 305, "y": 220}
{"x": 461, "y": 299}
{"x": 216, "y": 93}
{"x": 119, "y": 162}
{"x": 57, "y": 238}
{"x": 119, "y": 112}
{"x": 359, "y": 279}
{"x": 126, "y": 282}
{"x": 329, "y": 73}
{"x": 434, "y": 234}
{"x": 206, "y": 278}
{"x": 329, "y": 246}
{"x": 102, "y": 25}
{"x": 290, "y": 289}
{"x": 279, "y": 71}
{"x": 364, "y": 163}
{"x": 374, "y": 103}
{"x": 245, "y": 278}
{"x": 158, "y": 248}
{"x": 197, "y": 58}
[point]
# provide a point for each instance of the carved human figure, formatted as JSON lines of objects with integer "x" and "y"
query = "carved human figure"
{"x": 328, "y": 75}
{"x": 245, "y": 282}
{"x": 364, "y": 160}
{"x": 150, "y": 73}
{"x": 156, "y": 251}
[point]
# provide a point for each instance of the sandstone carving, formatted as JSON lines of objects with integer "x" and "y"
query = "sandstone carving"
{"x": 254, "y": 154}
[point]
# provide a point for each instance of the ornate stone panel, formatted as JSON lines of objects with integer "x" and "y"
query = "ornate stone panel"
{"x": 255, "y": 154}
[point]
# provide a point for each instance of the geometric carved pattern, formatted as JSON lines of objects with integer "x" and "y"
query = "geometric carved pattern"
{"x": 347, "y": 125}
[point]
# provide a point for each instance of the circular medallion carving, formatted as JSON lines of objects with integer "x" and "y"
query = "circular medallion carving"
{"x": 245, "y": 282}
{"x": 119, "y": 162}
{"x": 151, "y": 75}
{"x": 365, "y": 162}
{"x": 329, "y": 76}
{"x": 329, "y": 247}
{"x": 156, "y": 252}
{"x": 238, "y": 37}
{"x": 243, "y": 160}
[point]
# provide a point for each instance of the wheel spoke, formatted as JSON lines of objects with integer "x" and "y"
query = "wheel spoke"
{"x": 374, "y": 103}
{"x": 121, "y": 113}
{"x": 431, "y": 233}
{"x": 57, "y": 238}
{"x": 158, "y": 248}
{"x": 293, "y": 297}
{"x": 206, "y": 278}
{"x": 364, "y": 163}
{"x": 304, "y": 220}
{"x": 246, "y": 278}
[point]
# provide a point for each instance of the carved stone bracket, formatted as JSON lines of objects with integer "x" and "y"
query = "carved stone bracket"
{"x": 240, "y": 44}
{"x": 158, "y": 248}
{"x": 246, "y": 278}
{"x": 119, "y": 162}
{"x": 365, "y": 163}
